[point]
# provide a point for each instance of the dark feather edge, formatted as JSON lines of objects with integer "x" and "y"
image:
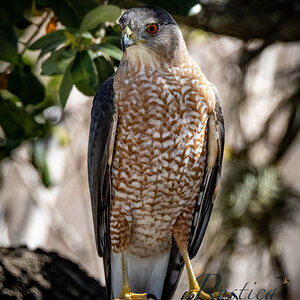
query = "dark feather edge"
{"x": 99, "y": 173}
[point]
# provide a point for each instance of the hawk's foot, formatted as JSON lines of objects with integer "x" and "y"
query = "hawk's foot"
{"x": 197, "y": 295}
{"x": 133, "y": 296}
{"x": 194, "y": 295}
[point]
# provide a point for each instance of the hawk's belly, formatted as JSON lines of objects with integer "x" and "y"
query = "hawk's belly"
{"x": 158, "y": 162}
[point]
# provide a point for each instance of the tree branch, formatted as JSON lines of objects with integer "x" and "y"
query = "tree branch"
{"x": 26, "y": 274}
{"x": 244, "y": 19}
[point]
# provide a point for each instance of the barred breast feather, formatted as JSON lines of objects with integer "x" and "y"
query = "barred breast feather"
{"x": 159, "y": 154}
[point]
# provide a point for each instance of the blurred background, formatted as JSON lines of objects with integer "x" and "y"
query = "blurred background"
{"x": 54, "y": 54}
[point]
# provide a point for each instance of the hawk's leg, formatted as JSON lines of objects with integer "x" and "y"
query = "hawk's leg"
{"x": 194, "y": 286}
{"x": 125, "y": 281}
{"x": 181, "y": 234}
{"x": 126, "y": 293}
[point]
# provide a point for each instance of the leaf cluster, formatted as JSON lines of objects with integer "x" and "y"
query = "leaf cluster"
{"x": 81, "y": 47}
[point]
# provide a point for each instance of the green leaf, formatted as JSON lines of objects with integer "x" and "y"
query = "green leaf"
{"x": 104, "y": 68}
{"x": 110, "y": 50}
{"x": 39, "y": 159}
{"x": 52, "y": 91}
{"x": 59, "y": 60}
{"x": 49, "y": 39}
{"x": 113, "y": 40}
{"x": 83, "y": 74}
{"x": 101, "y": 14}
{"x": 71, "y": 12}
{"x": 17, "y": 123}
{"x": 8, "y": 48}
{"x": 49, "y": 42}
{"x": 112, "y": 36}
{"x": 26, "y": 86}
{"x": 65, "y": 86}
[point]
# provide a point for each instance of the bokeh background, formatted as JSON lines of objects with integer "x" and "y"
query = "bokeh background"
{"x": 54, "y": 55}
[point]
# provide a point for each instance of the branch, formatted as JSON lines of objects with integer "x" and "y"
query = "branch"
{"x": 244, "y": 19}
{"x": 35, "y": 32}
{"x": 249, "y": 19}
{"x": 292, "y": 129}
{"x": 26, "y": 274}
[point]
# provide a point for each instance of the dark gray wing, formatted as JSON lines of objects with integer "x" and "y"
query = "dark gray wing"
{"x": 204, "y": 205}
{"x": 100, "y": 149}
{"x": 211, "y": 180}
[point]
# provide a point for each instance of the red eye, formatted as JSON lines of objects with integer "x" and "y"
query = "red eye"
{"x": 152, "y": 28}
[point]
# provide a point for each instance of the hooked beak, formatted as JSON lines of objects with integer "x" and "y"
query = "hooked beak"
{"x": 129, "y": 38}
{"x": 126, "y": 42}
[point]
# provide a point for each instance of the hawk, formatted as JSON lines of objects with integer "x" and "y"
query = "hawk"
{"x": 154, "y": 160}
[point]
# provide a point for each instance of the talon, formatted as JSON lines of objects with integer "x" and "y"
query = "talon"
{"x": 133, "y": 296}
{"x": 189, "y": 295}
{"x": 199, "y": 295}
{"x": 183, "y": 298}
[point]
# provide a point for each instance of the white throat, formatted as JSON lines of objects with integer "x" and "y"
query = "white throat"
{"x": 138, "y": 57}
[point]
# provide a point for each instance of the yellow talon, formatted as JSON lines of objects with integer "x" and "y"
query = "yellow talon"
{"x": 132, "y": 296}
{"x": 195, "y": 295}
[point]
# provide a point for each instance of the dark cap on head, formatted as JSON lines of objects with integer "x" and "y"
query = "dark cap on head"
{"x": 141, "y": 14}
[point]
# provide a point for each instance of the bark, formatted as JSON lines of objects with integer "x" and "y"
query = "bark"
{"x": 248, "y": 19}
{"x": 244, "y": 19}
{"x": 26, "y": 274}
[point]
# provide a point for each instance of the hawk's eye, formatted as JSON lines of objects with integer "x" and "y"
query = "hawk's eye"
{"x": 152, "y": 28}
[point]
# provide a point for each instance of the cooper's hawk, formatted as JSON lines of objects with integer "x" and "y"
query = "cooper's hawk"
{"x": 155, "y": 155}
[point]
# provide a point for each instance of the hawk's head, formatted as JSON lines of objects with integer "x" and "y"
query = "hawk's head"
{"x": 151, "y": 30}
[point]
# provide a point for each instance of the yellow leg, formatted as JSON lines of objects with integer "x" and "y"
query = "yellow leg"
{"x": 125, "y": 281}
{"x": 194, "y": 286}
{"x": 126, "y": 293}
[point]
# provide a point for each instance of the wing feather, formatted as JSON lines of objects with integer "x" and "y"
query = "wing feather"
{"x": 204, "y": 205}
{"x": 100, "y": 152}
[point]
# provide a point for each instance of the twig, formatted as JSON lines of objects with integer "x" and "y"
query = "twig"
{"x": 36, "y": 31}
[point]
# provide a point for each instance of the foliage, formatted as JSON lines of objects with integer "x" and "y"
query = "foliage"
{"x": 80, "y": 47}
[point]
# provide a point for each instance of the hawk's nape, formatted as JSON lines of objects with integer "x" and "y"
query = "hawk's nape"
{"x": 155, "y": 155}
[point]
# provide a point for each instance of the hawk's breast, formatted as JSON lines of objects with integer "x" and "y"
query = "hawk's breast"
{"x": 159, "y": 155}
